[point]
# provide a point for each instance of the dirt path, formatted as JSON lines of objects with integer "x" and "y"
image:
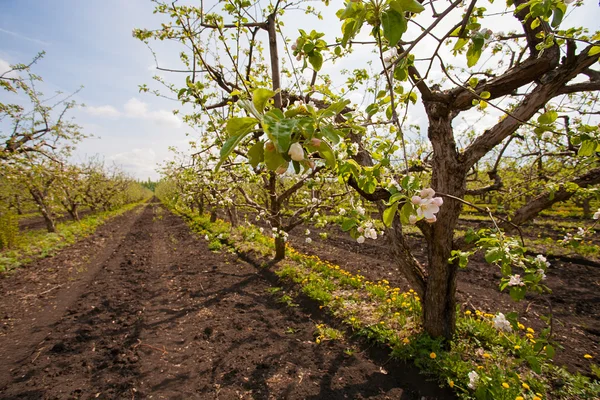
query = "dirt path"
{"x": 154, "y": 314}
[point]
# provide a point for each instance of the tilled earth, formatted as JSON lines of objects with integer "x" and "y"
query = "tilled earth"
{"x": 142, "y": 309}
{"x": 574, "y": 301}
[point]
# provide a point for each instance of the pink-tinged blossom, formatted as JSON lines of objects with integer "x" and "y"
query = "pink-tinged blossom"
{"x": 515, "y": 280}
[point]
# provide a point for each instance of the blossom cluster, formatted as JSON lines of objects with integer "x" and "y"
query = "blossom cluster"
{"x": 427, "y": 206}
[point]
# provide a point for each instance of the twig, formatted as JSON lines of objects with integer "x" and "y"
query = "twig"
{"x": 139, "y": 343}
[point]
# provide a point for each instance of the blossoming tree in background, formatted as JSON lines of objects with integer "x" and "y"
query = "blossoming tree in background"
{"x": 269, "y": 104}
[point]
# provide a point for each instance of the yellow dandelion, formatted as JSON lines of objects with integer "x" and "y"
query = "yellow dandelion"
{"x": 530, "y": 330}
{"x": 589, "y": 357}
{"x": 520, "y": 325}
{"x": 537, "y": 398}
{"x": 406, "y": 340}
{"x": 486, "y": 355}
{"x": 451, "y": 383}
{"x": 433, "y": 355}
{"x": 517, "y": 347}
{"x": 519, "y": 398}
{"x": 505, "y": 385}
{"x": 467, "y": 312}
{"x": 525, "y": 386}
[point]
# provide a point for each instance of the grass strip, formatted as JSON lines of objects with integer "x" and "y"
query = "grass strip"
{"x": 481, "y": 362}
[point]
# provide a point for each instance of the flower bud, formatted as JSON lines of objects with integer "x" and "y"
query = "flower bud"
{"x": 416, "y": 200}
{"x": 269, "y": 146}
{"x": 438, "y": 201}
{"x": 296, "y": 152}
{"x": 315, "y": 142}
{"x": 427, "y": 193}
{"x": 412, "y": 219}
{"x": 294, "y": 47}
{"x": 281, "y": 169}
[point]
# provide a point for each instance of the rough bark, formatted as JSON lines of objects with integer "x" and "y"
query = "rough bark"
{"x": 449, "y": 176}
{"x": 547, "y": 199}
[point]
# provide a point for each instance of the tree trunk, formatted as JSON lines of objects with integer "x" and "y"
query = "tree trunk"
{"x": 74, "y": 213}
{"x": 213, "y": 215}
{"x": 50, "y": 226}
{"x": 279, "y": 248}
{"x": 448, "y": 177}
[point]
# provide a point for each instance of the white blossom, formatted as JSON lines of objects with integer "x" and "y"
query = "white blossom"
{"x": 412, "y": 219}
{"x": 370, "y": 233}
{"x": 515, "y": 280}
{"x": 360, "y": 239}
{"x": 308, "y": 240}
{"x": 307, "y": 232}
{"x": 360, "y": 210}
{"x": 342, "y": 211}
{"x": 541, "y": 260}
{"x": 389, "y": 56}
{"x": 547, "y": 135}
{"x": 541, "y": 273}
{"x": 473, "y": 379}
{"x": 501, "y": 323}
{"x": 597, "y": 214}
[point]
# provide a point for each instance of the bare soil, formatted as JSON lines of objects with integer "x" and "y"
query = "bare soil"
{"x": 574, "y": 301}
{"x": 142, "y": 309}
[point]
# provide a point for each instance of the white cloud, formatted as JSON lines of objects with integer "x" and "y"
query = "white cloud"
{"x": 4, "y": 67}
{"x": 141, "y": 163}
{"x": 135, "y": 108}
{"x": 102, "y": 111}
{"x": 138, "y": 109}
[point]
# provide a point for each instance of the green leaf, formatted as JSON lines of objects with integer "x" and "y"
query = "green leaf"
{"x": 260, "y": 98}
{"x": 273, "y": 160}
{"x": 460, "y": 43}
{"x": 394, "y": 25}
{"x": 534, "y": 363}
{"x": 517, "y": 293}
{"x": 331, "y": 133}
{"x": 327, "y": 153}
{"x": 348, "y": 224}
{"x": 256, "y": 154}
{"x": 494, "y": 254}
{"x": 372, "y": 109}
{"x": 407, "y": 5}
{"x": 389, "y": 213}
{"x": 594, "y": 51}
{"x": 473, "y": 54}
{"x": 316, "y": 60}
{"x": 281, "y": 133}
{"x": 588, "y": 147}
{"x": 240, "y": 126}
{"x": 550, "y": 351}
{"x": 229, "y": 146}
{"x": 559, "y": 14}
{"x": 547, "y": 117}
{"x": 405, "y": 213}
{"x": 334, "y": 109}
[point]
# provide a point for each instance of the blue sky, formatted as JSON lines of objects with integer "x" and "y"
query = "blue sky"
{"x": 89, "y": 43}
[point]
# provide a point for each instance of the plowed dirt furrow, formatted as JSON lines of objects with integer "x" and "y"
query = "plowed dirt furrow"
{"x": 165, "y": 318}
